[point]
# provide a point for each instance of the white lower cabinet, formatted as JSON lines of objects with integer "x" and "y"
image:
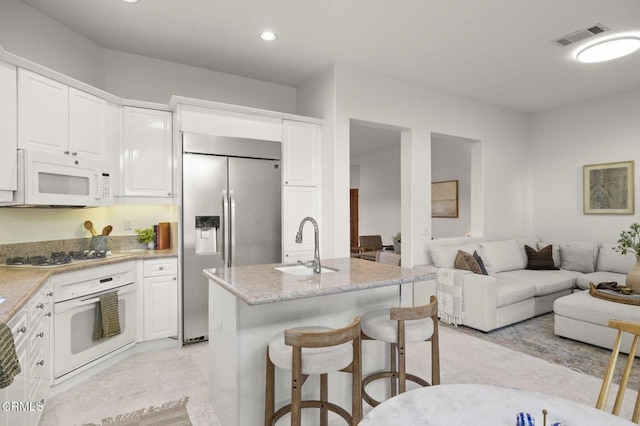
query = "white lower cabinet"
{"x": 23, "y": 401}
{"x": 160, "y": 298}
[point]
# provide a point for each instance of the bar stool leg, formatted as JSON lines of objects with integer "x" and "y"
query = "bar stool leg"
{"x": 269, "y": 406}
{"x": 324, "y": 398}
{"x": 393, "y": 363}
{"x": 402, "y": 366}
{"x": 296, "y": 387}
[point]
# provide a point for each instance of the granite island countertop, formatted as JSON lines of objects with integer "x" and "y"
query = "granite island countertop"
{"x": 259, "y": 284}
{"x": 19, "y": 284}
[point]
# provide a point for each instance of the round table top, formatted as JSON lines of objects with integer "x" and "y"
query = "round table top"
{"x": 476, "y": 404}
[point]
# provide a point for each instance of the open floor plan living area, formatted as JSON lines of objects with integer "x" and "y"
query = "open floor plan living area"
{"x": 240, "y": 213}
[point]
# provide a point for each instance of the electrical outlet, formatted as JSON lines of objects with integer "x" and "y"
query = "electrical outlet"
{"x": 128, "y": 224}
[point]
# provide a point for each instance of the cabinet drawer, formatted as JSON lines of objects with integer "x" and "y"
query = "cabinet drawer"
{"x": 158, "y": 267}
{"x": 18, "y": 326}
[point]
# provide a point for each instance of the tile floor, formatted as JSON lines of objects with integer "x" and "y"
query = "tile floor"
{"x": 153, "y": 378}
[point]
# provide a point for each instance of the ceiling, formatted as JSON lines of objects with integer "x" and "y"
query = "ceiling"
{"x": 498, "y": 51}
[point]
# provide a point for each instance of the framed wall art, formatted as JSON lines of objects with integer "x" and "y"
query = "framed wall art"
{"x": 444, "y": 199}
{"x": 608, "y": 188}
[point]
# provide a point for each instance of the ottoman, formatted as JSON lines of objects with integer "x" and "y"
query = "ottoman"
{"x": 580, "y": 316}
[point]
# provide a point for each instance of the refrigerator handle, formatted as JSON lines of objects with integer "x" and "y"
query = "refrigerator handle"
{"x": 232, "y": 227}
{"x": 225, "y": 228}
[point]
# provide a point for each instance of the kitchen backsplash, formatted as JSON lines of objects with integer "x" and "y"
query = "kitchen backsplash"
{"x": 127, "y": 242}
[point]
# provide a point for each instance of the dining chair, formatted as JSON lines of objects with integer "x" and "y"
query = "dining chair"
{"x": 624, "y": 328}
{"x": 315, "y": 350}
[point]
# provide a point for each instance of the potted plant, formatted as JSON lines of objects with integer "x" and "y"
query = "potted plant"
{"x": 147, "y": 236}
{"x": 629, "y": 242}
{"x": 396, "y": 243}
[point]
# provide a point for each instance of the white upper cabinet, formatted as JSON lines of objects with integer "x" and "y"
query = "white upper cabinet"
{"x": 87, "y": 125}
{"x": 147, "y": 153}
{"x": 301, "y": 151}
{"x": 8, "y": 131}
{"x": 54, "y": 117}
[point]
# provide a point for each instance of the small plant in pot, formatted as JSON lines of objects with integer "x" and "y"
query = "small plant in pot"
{"x": 396, "y": 243}
{"x": 146, "y": 236}
{"x": 629, "y": 242}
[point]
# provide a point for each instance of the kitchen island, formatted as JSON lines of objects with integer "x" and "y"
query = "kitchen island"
{"x": 250, "y": 304}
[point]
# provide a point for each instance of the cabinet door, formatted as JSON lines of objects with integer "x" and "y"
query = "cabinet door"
{"x": 160, "y": 307}
{"x": 43, "y": 113}
{"x": 8, "y": 131}
{"x": 298, "y": 203}
{"x": 87, "y": 125}
{"x": 300, "y": 153}
{"x": 147, "y": 156}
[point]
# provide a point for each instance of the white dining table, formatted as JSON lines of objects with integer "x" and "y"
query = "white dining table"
{"x": 479, "y": 404}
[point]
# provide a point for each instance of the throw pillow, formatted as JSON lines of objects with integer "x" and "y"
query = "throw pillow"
{"x": 577, "y": 259}
{"x": 555, "y": 252}
{"x": 499, "y": 256}
{"x": 467, "y": 262}
{"x": 444, "y": 255}
{"x": 542, "y": 259}
{"x": 478, "y": 259}
{"x": 612, "y": 261}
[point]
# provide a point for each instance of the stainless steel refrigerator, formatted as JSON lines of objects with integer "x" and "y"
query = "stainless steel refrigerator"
{"x": 231, "y": 214}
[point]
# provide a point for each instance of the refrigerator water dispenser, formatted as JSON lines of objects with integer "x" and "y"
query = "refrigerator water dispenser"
{"x": 207, "y": 234}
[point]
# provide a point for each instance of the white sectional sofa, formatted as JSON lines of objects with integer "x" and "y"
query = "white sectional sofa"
{"x": 510, "y": 292}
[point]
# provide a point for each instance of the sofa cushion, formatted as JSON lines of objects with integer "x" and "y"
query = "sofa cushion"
{"x": 512, "y": 291}
{"x": 444, "y": 255}
{"x": 577, "y": 259}
{"x": 480, "y": 262}
{"x": 598, "y": 277}
{"x": 542, "y": 259}
{"x": 501, "y": 256}
{"x": 612, "y": 261}
{"x": 544, "y": 281}
{"x": 467, "y": 262}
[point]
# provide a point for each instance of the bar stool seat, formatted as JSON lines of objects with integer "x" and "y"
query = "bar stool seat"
{"x": 398, "y": 326}
{"x": 314, "y": 350}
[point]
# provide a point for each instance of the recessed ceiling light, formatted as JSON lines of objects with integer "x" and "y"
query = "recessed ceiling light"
{"x": 609, "y": 49}
{"x": 131, "y": 1}
{"x": 268, "y": 36}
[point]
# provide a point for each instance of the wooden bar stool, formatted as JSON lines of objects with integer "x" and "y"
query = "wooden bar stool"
{"x": 399, "y": 326}
{"x": 314, "y": 350}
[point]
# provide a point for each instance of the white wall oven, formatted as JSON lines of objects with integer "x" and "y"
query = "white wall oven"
{"x": 76, "y": 296}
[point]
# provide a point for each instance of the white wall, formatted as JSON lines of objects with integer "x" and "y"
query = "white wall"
{"x": 566, "y": 139}
{"x": 451, "y": 160}
{"x": 28, "y": 33}
{"x": 379, "y": 204}
{"x": 143, "y": 78}
{"x": 506, "y": 176}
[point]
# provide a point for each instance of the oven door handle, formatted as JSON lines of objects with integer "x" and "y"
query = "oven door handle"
{"x": 93, "y": 299}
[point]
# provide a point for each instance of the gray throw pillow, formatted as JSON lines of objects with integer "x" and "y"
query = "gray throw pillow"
{"x": 577, "y": 259}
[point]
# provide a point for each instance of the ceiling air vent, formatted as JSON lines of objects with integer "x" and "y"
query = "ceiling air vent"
{"x": 580, "y": 35}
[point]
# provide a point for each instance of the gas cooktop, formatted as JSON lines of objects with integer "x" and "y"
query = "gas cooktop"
{"x": 57, "y": 258}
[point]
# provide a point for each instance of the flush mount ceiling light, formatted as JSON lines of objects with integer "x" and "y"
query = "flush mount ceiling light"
{"x": 131, "y": 1}
{"x": 609, "y": 49}
{"x": 268, "y": 36}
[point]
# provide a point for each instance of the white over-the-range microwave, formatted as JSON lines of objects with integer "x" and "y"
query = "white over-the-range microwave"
{"x": 51, "y": 179}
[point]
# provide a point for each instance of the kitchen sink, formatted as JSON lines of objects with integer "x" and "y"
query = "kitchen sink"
{"x": 302, "y": 270}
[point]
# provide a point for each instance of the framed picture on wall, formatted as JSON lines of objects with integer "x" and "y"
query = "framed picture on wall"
{"x": 444, "y": 199}
{"x": 608, "y": 188}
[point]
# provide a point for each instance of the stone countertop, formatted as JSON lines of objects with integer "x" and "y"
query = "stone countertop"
{"x": 19, "y": 284}
{"x": 259, "y": 284}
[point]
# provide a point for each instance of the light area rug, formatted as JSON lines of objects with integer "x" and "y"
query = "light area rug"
{"x": 173, "y": 413}
{"x": 535, "y": 337}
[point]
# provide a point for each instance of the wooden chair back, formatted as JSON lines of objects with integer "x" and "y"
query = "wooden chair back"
{"x": 622, "y": 327}
{"x": 370, "y": 242}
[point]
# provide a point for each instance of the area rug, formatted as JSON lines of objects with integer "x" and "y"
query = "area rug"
{"x": 172, "y": 413}
{"x": 535, "y": 337}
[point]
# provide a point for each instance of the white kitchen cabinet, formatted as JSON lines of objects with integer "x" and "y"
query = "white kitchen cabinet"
{"x": 300, "y": 153}
{"x": 31, "y": 328}
{"x": 8, "y": 131}
{"x": 160, "y": 294}
{"x": 147, "y": 153}
{"x": 54, "y": 117}
{"x": 298, "y": 203}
